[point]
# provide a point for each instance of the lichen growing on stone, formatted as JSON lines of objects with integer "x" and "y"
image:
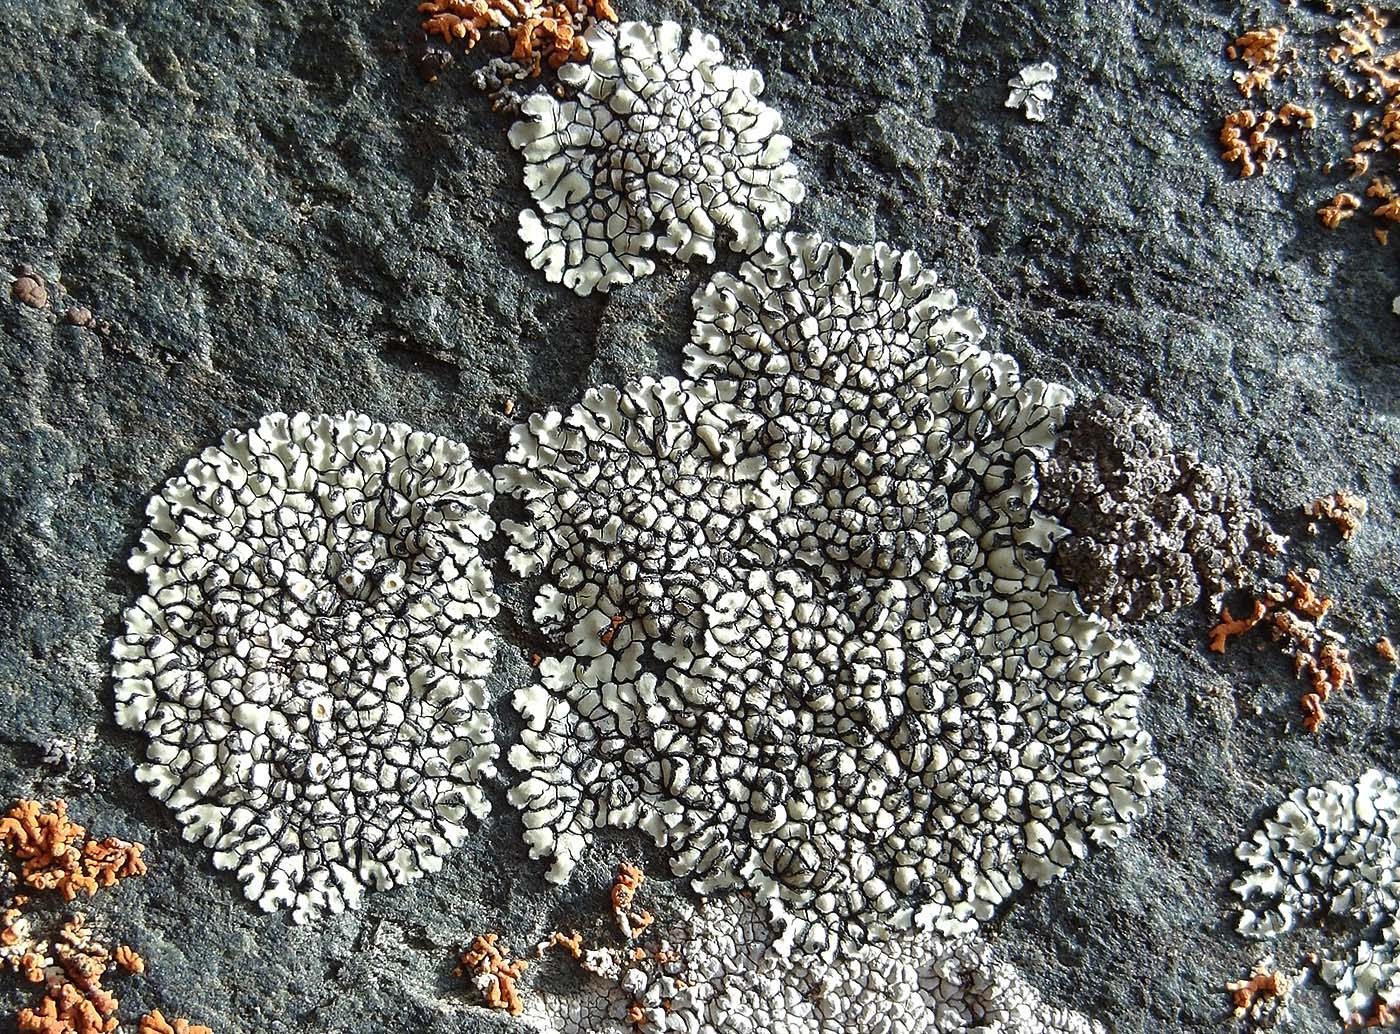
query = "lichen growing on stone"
{"x": 308, "y": 662}
{"x": 56, "y": 854}
{"x": 1033, "y": 88}
{"x": 1151, "y": 528}
{"x": 809, "y": 643}
{"x": 720, "y": 968}
{"x": 66, "y": 960}
{"x": 538, "y": 33}
{"x": 664, "y": 148}
{"x": 1332, "y": 852}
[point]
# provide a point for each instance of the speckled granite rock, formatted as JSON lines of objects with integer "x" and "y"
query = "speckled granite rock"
{"x": 264, "y": 208}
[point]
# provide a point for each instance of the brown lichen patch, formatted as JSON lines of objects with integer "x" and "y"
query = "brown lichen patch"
{"x": 493, "y": 974}
{"x": 1347, "y": 510}
{"x": 55, "y": 854}
{"x": 154, "y": 1023}
{"x": 28, "y": 289}
{"x": 1264, "y": 988}
{"x": 535, "y": 33}
{"x": 1261, "y": 50}
{"x": 1229, "y": 626}
{"x": 1385, "y": 650}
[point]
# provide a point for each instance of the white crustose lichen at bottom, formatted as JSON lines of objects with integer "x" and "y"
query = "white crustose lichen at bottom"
{"x": 721, "y": 970}
{"x": 809, "y": 642}
{"x": 661, "y": 147}
{"x": 308, "y": 663}
{"x": 1333, "y": 851}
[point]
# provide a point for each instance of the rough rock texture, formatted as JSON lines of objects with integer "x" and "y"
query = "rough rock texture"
{"x": 268, "y": 210}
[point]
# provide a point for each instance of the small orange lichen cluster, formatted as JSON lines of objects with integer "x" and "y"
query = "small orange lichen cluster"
{"x": 624, "y": 891}
{"x": 537, "y": 33}
{"x": 154, "y": 1023}
{"x": 1265, "y": 987}
{"x": 1245, "y": 139}
{"x": 1346, "y": 510}
{"x": 1341, "y": 208}
{"x": 1385, "y": 650}
{"x": 1295, "y": 613}
{"x": 1363, "y": 72}
{"x": 495, "y": 975}
{"x": 1261, "y": 50}
{"x": 1231, "y": 626}
{"x": 607, "y": 635}
{"x": 1245, "y": 134}
{"x": 54, "y": 854}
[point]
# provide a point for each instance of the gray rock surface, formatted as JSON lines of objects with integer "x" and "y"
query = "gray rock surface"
{"x": 265, "y": 208}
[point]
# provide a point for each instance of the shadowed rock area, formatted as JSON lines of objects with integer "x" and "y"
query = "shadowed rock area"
{"x": 265, "y": 208}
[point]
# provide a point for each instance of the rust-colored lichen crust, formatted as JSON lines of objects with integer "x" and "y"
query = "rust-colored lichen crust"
{"x": 1263, "y": 990}
{"x": 1347, "y": 510}
{"x": 536, "y": 34}
{"x": 70, "y": 965}
{"x": 493, "y": 973}
{"x": 55, "y": 854}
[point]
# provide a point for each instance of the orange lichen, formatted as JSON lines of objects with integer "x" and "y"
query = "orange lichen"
{"x": 1330, "y": 672}
{"x": 1230, "y": 626}
{"x": 55, "y": 854}
{"x": 1385, "y": 649}
{"x": 128, "y": 959}
{"x": 607, "y": 635}
{"x": 1305, "y": 599}
{"x": 1346, "y": 510}
{"x": 154, "y": 1023}
{"x": 1383, "y": 1015}
{"x": 628, "y": 881}
{"x": 1360, "y": 36}
{"x": 1262, "y": 52}
{"x": 538, "y": 33}
{"x": 1290, "y": 113}
{"x": 570, "y": 942}
{"x": 495, "y": 974}
{"x": 1244, "y": 138}
{"x": 1342, "y": 207}
{"x": 1262, "y": 986}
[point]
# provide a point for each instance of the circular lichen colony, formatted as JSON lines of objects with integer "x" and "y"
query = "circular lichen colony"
{"x": 1333, "y": 851}
{"x": 664, "y": 147}
{"x": 308, "y": 663}
{"x": 823, "y": 664}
